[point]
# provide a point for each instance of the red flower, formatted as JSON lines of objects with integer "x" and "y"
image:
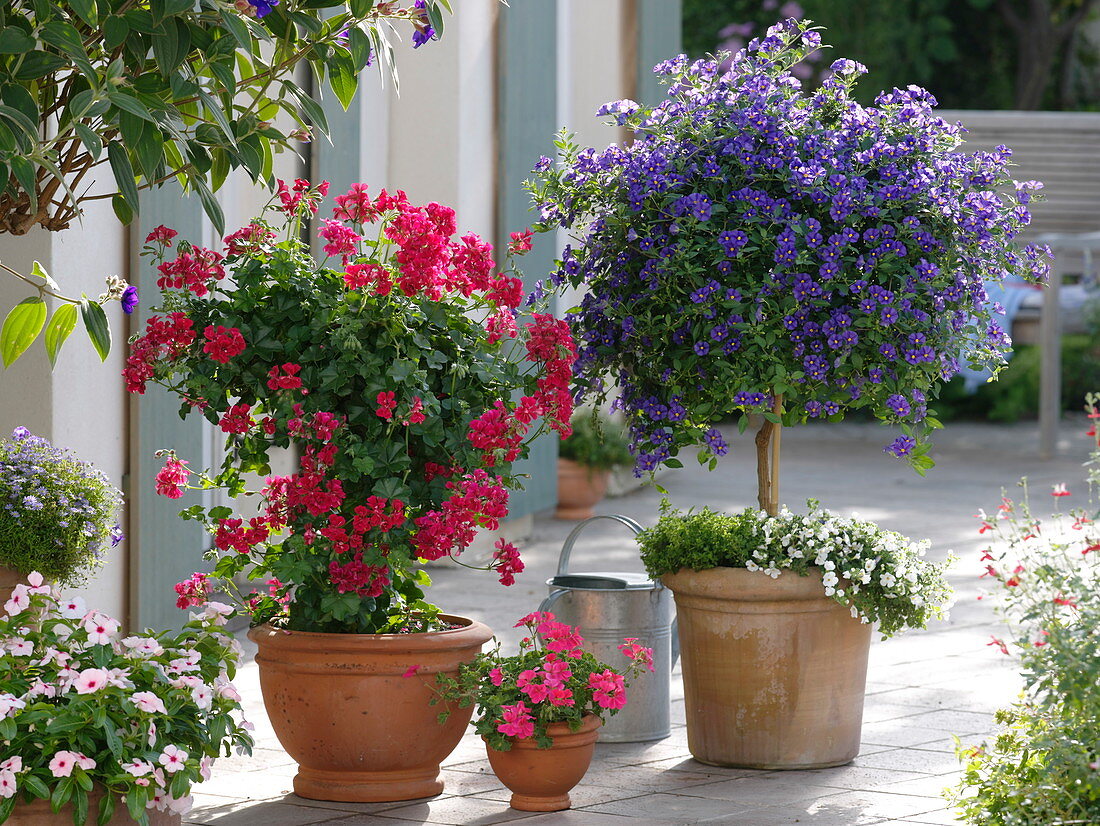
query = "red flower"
{"x": 284, "y": 377}
{"x": 161, "y": 235}
{"x": 237, "y": 419}
{"x": 223, "y": 343}
{"x": 386, "y": 404}
{"x": 172, "y": 477}
{"x": 520, "y": 243}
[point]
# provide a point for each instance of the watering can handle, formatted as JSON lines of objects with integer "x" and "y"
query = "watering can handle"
{"x": 567, "y": 548}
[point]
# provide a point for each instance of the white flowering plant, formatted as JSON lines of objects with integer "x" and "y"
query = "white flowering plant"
{"x": 883, "y": 577}
{"x": 89, "y": 714}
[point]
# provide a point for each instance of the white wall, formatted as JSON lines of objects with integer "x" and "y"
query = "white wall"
{"x": 81, "y": 404}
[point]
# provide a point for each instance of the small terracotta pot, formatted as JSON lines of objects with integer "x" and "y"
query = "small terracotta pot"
{"x": 540, "y": 779}
{"x": 359, "y": 729}
{"x": 39, "y": 813}
{"x": 579, "y": 488}
{"x": 774, "y": 670}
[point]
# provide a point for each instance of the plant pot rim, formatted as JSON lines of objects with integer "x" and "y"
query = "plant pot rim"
{"x": 561, "y": 733}
{"x": 740, "y": 583}
{"x": 470, "y": 628}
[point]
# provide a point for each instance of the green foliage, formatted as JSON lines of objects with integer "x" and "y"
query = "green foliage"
{"x": 155, "y": 91}
{"x": 960, "y": 51}
{"x": 597, "y": 441}
{"x": 70, "y": 683}
{"x": 1042, "y": 766}
{"x": 56, "y": 513}
{"x": 1015, "y": 393}
{"x": 880, "y": 574}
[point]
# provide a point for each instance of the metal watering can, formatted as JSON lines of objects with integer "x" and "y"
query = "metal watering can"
{"x": 611, "y": 606}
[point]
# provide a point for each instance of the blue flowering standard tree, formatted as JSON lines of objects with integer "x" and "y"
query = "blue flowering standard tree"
{"x": 761, "y": 248}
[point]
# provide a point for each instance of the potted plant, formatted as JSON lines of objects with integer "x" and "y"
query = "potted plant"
{"x": 760, "y": 249}
{"x": 99, "y": 727}
{"x": 585, "y": 460}
{"x": 538, "y": 711}
{"x": 57, "y": 514}
{"x": 820, "y": 572}
{"x": 387, "y": 367}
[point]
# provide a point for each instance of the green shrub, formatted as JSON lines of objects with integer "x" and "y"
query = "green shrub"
{"x": 879, "y": 574}
{"x": 56, "y": 513}
{"x": 596, "y": 442}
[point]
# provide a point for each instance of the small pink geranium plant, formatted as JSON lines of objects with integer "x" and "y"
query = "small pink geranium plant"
{"x": 83, "y": 706}
{"x": 552, "y": 680}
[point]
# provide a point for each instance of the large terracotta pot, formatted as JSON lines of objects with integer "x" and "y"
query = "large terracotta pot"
{"x": 579, "y": 488}
{"x": 540, "y": 779}
{"x": 9, "y": 578}
{"x": 39, "y": 813}
{"x": 774, "y": 670}
{"x": 358, "y": 728}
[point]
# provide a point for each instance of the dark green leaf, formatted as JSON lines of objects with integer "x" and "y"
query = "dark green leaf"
{"x": 150, "y": 153}
{"x": 115, "y": 31}
{"x": 13, "y": 40}
{"x": 24, "y": 173}
{"x": 99, "y": 331}
{"x": 122, "y": 209}
{"x": 361, "y": 8}
{"x": 92, "y": 142}
{"x": 129, "y": 103}
{"x": 210, "y": 204}
{"x": 38, "y": 64}
{"x": 342, "y": 78}
{"x": 238, "y": 29}
{"x": 59, "y": 329}
{"x": 27, "y": 126}
{"x": 86, "y": 11}
{"x": 124, "y": 173}
{"x": 309, "y": 106}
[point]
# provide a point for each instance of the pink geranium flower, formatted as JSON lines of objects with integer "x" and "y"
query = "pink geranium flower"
{"x": 517, "y": 721}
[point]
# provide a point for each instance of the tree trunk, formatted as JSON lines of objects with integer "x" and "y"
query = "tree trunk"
{"x": 767, "y": 461}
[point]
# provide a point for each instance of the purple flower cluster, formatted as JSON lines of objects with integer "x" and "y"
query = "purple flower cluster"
{"x": 56, "y": 513}
{"x": 767, "y": 241}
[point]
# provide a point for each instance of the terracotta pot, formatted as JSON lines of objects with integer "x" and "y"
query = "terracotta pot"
{"x": 579, "y": 488}
{"x": 9, "y": 578}
{"x": 774, "y": 670}
{"x": 359, "y": 729}
{"x": 540, "y": 779}
{"x": 39, "y": 813}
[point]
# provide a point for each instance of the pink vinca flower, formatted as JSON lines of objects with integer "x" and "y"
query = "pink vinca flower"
{"x": 172, "y": 758}
{"x": 62, "y": 764}
{"x": 19, "y": 647}
{"x": 84, "y": 761}
{"x": 149, "y": 703}
{"x": 101, "y": 629}
{"x": 19, "y": 602}
{"x": 9, "y": 704}
{"x": 12, "y": 764}
{"x": 7, "y": 783}
{"x": 72, "y": 608}
{"x": 138, "y": 768}
{"x": 90, "y": 680}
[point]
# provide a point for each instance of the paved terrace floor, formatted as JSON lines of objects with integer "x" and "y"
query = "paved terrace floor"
{"x": 922, "y": 688}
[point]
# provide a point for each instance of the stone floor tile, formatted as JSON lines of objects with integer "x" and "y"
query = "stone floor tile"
{"x": 956, "y": 722}
{"x": 901, "y": 733}
{"x": 451, "y": 811}
{"x": 879, "y": 804}
{"x": 573, "y": 817}
{"x": 639, "y": 753}
{"x": 254, "y": 785}
{"x": 678, "y": 808}
{"x": 821, "y": 815}
{"x": 856, "y": 777}
{"x": 645, "y": 779}
{"x": 261, "y": 759}
{"x": 912, "y": 760}
{"x": 930, "y": 786}
{"x": 942, "y": 817}
{"x": 268, "y": 813}
{"x": 768, "y": 789}
{"x": 879, "y": 711}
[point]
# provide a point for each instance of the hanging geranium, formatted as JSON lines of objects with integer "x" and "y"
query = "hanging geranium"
{"x": 399, "y": 370}
{"x": 762, "y": 248}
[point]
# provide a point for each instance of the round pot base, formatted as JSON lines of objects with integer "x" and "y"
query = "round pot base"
{"x": 367, "y": 787}
{"x": 532, "y": 803}
{"x": 780, "y": 766}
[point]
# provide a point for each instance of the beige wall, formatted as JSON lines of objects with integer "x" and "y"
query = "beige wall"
{"x": 81, "y": 404}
